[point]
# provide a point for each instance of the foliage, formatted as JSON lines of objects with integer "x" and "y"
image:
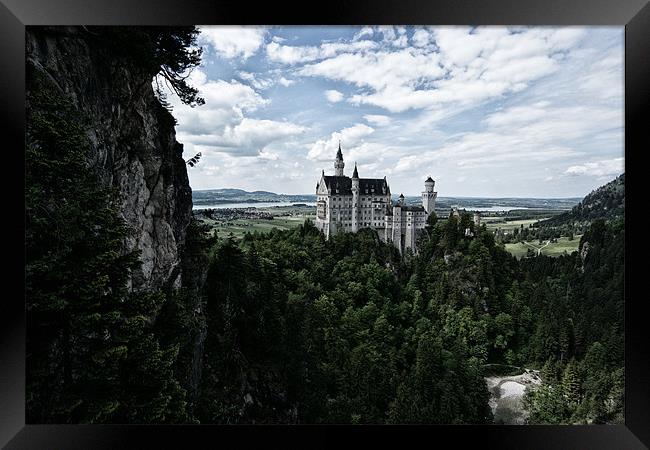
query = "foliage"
{"x": 166, "y": 54}
{"x": 194, "y": 160}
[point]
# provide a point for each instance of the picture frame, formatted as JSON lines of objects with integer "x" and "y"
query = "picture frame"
{"x": 15, "y": 15}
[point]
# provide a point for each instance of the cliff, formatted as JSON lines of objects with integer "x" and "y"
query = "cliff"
{"x": 133, "y": 147}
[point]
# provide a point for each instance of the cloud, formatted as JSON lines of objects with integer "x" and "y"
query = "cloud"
{"x": 422, "y": 38}
{"x": 269, "y": 155}
{"x": 333, "y": 96}
{"x": 233, "y": 41}
{"x": 286, "y": 54}
{"x": 247, "y": 138}
{"x": 377, "y": 119}
{"x": 285, "y": 82}
{"x": 524, "y": 135}
{"x": 325, "y": 149}
{"x": 226, "y": 103}
{"x": 447, "y": 65}
{"x": 393, "y": 36}
{"x": 604, "y": 168}
{"x": 255, "y": 81}
{"x": 223, "y": 124}
{"x": 364, "y": 32}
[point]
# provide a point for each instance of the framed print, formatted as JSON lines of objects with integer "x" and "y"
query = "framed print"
{"x": 270, "y": 225}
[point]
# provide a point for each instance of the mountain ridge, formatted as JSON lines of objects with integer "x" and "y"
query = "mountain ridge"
{"x": 606, "y": 202}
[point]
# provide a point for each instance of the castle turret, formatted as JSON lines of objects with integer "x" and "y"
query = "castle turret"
{"x": 429, "y": 196}
{"x": 355, "y": 199}
{"x": 338, "y": 163}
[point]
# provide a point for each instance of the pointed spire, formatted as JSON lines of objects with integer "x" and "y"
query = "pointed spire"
{"x": 355, "y": 174}
{"x": 339, "y": 155}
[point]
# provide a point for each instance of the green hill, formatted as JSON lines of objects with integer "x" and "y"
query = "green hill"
{"x": 607, "y": 203}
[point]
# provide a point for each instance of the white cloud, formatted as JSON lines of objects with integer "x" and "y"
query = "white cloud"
{"x": 268, "y": 155}
{"x": 604, "y": 168}
{"x": 249, "y": 137}
{"x": 467, "y": 66}
{"x": 377, "y": 119}
{"x": 226, "y": 103}
{"x": 522, "y": 136}
{"x": 422, "y": 37}
{"x": 333, "y": 96}
{"x": 222, "y": 125}
{"x": 325, "y": 149}
{"x": 233, "y": 41}
{"x": 285, "y": 82}
{"x": 255, "y": 80}
{"x": 286, "y": 54}
{"x": 364, "y": 32}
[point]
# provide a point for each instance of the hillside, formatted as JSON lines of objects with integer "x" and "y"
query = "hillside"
{"x": 607, "y": 203}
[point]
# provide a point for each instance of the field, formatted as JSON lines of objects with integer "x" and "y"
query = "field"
{"x": 492, "y": 223}
{"x": 284, "y": 218}
{"x": 558, "y": 248}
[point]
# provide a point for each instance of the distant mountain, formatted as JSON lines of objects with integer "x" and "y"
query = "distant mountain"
{"x": 607, "y": 202}
{"x": 219, "y": 196}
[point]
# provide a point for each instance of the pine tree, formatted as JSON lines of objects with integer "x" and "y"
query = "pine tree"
{"x": 571, "y": 385}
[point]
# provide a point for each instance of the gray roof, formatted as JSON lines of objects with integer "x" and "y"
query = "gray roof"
{"x": 338, "y": 185}
{"x": 412, "y": 208}
{"x": 366, "y": 186}
{"x": 429, "y": 180}
{"x": 343, "y": 185}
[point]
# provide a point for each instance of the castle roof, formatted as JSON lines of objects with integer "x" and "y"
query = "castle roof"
{"x": 429, "y": 180}
{"x": 338, "y": 185}
{"x": 343, "y": 185}
{"x": 412, "y": 208}
{"x": 339, "y": 155}
{"x": 355, "y": 174}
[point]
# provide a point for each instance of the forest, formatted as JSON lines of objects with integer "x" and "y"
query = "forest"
{"x": 294, "y": 328}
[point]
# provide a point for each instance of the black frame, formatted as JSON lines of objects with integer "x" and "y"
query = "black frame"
{"x": 16, "y": 14}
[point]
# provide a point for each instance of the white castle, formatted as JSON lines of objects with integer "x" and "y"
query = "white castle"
{"x": 350, "y": 204}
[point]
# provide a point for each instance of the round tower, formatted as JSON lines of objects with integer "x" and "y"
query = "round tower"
{"x": 429, "y": 196}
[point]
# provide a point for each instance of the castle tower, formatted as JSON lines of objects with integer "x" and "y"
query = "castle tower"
{"x": 429, "y": 196}
{"x": 355, "y": 199}
{"x": 338, "y": 163}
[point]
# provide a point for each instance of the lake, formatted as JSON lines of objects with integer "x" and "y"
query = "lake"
{"x": 272, "y": 204}
{"x": 251, "y": 205}
{"x": 493, "y": 208}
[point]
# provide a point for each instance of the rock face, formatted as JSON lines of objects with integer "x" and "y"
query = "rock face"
{"x": 133, "y": 144}
{"x": 506, "y": 394}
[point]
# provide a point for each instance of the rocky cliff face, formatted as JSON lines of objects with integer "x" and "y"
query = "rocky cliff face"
{"x": 133, "y": 144}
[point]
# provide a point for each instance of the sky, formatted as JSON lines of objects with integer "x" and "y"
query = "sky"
{"x": 485, "y": 111}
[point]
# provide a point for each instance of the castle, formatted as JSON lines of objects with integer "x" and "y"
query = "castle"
{"x": 350, "y": 204}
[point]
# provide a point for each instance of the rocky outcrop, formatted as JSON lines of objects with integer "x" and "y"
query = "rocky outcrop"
{"x": 133, "y": 143}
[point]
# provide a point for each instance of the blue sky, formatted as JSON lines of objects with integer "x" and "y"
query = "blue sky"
{"x": 487, "y": 111}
